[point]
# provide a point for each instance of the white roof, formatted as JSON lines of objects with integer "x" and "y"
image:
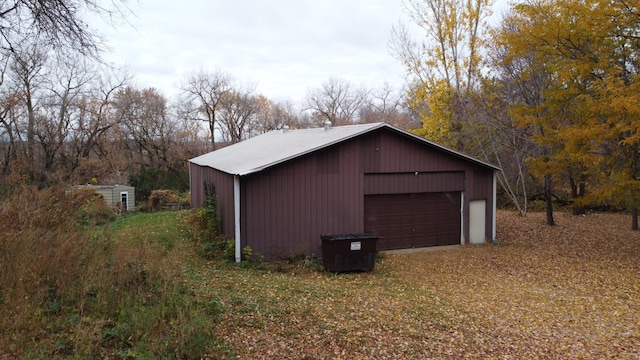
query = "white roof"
{"x": 277, "y": 146}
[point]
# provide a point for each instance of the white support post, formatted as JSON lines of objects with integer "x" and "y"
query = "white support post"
{"x": 236, "y": 211}
{"x": 462, "y": 217}
{"x": 493, "y": 210}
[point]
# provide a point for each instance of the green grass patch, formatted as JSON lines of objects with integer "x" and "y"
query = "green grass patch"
{"x": 160, "y": 228}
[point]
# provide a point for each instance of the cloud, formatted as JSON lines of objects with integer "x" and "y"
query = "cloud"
{"x": 285, "y": 46}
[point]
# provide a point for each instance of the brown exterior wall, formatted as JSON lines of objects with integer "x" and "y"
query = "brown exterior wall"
{"x": 386, "y": 152}
{"x": 223, "y": 183}
{"x": 287, "y": 207}
{"x": 413, "y": 182}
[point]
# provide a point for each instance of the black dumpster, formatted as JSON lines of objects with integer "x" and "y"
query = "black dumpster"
{"x": 348, "y": 252}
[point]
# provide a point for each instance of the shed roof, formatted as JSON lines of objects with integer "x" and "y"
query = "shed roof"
{"x": 277, "y": 146}
{"x": 102, "y": 187}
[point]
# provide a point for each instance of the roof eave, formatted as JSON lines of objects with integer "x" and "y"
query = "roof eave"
{"x": 351, "y": 136}
{"x": 311, "y": 150}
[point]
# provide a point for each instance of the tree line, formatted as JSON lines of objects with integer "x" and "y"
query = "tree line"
{"x": 66, "y": 116}
{"x": 79, "y": 120}
{"x": 547, "y": 90}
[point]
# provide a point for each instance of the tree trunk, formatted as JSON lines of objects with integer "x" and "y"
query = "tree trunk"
{"x": 212, "y": 131}
{"x": 577, "y": 191}
{"x": 31, "y": 137}
{"x": 548, "y": 198}
{"x": 634, "y": 176}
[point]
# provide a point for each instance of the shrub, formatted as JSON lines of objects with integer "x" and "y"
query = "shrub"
{"x": 159, "y": 199}
{"x": 211, "y": 217}
{"x": 92, "y": 209}
{"x": 147, "y": 179}
{"x": 204, "y": 224}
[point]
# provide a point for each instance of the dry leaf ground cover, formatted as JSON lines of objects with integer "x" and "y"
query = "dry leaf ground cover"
{"x": 569, "y": 291}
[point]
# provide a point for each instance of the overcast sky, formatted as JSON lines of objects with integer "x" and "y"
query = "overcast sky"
{"x": 284, "y": 47}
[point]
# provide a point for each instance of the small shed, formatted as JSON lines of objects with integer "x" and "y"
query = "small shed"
{"x": 115, "y": 195}
{"x": 280, "y": 191}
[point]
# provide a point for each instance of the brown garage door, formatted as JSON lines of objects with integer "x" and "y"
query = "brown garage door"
{"x": 413, "y": 220}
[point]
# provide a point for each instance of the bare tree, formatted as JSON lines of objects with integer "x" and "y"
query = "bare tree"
{"x": 28, "y": 75}
{"x": 285, "y": 114}
{"x": 275, "y": 115}
{"x": 337, "y": 101}
{"x": 38, "y": 113}
{"x": 9, "y": 102}
{"x": 390, "y": 106}
{"x": 189, "y": 142}
{"x": 499, "y": 140}
{"x": 145, "y": 127}
{"x": 57, "y": 24}
{"x": 95, "y": 121}
{"x": 203, "y": 92}
{"x": 238, "y": 111}
{"x": 67, "y": 83}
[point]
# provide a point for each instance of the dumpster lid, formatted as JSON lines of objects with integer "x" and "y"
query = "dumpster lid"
{"x": 339, "y": 237}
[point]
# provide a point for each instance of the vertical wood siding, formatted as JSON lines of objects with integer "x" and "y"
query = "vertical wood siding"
{"x": 392, "y": 153}
{"x": 288, "y": 207}
{"x": 413, "y": 182}
{"x": 224, "y": 194}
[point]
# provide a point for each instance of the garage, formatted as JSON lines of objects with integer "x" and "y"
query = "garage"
{"x": 402, "y": 221}
{"x": 280, "y": 192}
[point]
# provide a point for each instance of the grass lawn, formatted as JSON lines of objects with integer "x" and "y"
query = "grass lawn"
{"x": 569, "y": 291}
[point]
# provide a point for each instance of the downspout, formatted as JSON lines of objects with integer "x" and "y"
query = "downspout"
{"x": 236, "y": 213}
{"x": 190, "y": 185}
{"x": 493, "y": 210}
{"x": 462, "y": 217}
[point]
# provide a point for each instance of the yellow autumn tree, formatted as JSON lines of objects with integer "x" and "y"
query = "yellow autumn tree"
{"x": 588, "y": 121}
{"x": 445, "y": 67}
{"x": 437, "y": 116}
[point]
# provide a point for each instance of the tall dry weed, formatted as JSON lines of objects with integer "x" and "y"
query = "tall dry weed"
{"x": 43, "y": 252}
{"x": 69, "y": 289}
{"x": 48, "y": 262}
